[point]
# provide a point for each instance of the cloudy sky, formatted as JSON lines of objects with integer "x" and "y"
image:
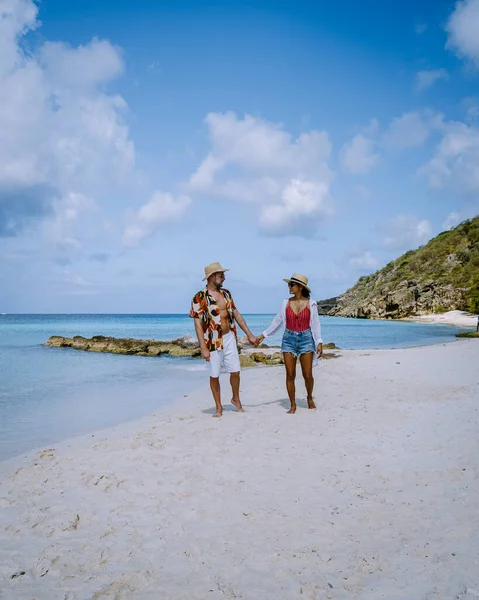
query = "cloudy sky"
{"x": 141, "y": 141}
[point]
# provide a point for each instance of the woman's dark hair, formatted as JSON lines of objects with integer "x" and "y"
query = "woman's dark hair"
{"x": 305, "y": 293}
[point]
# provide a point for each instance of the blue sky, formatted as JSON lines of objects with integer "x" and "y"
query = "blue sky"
{"x": 141, "y": 141}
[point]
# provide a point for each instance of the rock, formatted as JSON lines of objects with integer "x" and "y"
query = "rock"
{"x": 129, "y": 346}
{"x": 243, "y": 344}
{"x": 154, "y": 350}
{"x": 468, "y": 334}
{"x": 57, "y": 341}
{"x": 178, "y": 351}
{"x": 98, "y": 347}
{"x": 246, "y": 361}
{"x": 267, "y": 359}
{"x": 325, "y": 307}
{"x": 186, "y": 341}
{"x": 404, "y": 299}
{"x": 79, "y": 343}
{"x": 330, "y": 346}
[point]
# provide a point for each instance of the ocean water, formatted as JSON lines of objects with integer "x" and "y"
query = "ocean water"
{"x": 49, "y": 394}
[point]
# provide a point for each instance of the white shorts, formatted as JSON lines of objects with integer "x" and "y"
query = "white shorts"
{"x": 226, "y": 360}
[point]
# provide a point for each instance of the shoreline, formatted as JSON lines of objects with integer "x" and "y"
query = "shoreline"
{"x": 374, "y": 495}
{"x": 179, "y": 403}
{"x": 170, "y": 404}
{"x": 457, "y": 318}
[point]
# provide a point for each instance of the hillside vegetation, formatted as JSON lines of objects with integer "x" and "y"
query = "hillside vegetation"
{"x": 442, "y": 275}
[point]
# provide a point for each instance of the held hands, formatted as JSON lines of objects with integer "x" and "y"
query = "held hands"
{"x": 319, "y": 350}
{"x": 252, "y": 339}
{"x": 259, "y": 340}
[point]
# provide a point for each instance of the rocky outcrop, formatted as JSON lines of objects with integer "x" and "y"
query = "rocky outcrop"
{"x": 99, "y": 343}
{"x": 439, "y": 277}
{"x": 405, "y": 299}
{"x": 326, "y": 307}
{"x": 184, "y": 346}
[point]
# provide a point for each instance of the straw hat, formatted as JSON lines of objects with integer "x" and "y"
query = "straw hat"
{"x": 298, "y": 278}
{"x": 214, "y": 267}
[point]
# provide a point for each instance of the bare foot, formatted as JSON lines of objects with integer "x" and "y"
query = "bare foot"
{"x": 237, "y": 404}
{"x": 291, "y": 411}
{"x": 218, "y": 414}
{"x": 311, "y": 404}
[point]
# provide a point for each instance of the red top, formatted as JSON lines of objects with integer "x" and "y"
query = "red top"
{"x": 298, "y": 322}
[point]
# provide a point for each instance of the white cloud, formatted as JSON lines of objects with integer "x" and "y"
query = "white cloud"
{"x": 359, "y": 155}
{"x": 405, "y": 232}
{"x": 60, "y": 229}
{"x": 463, "y": 30}
{"x": 364, "y": 261}
{"x": 455, "y": 164}
{"x": 425, "y": 79}
{"x": 61, "y": 135}
{"x": 162, "y": 208}
{"x": 253, "y": 160}
{"x": 303, "y": 203}
{"x": 411, "y": 129}
{"x": 452, "y": 219}
{"x": 362, "y": 153}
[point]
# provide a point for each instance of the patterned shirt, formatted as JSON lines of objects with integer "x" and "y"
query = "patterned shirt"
{"x": 205, "y": 308}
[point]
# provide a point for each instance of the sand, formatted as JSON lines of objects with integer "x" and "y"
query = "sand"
{"x": 373, "y": 495}
{"x": 451, "y": 317}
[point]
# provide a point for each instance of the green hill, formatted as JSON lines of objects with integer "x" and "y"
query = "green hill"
{"x": 442, "y": 275}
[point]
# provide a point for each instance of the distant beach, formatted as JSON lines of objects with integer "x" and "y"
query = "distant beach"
{"x": 457, "y": 318}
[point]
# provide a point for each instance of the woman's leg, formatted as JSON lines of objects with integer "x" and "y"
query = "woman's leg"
{"x": 306, "y": 361}
{"x": 290, "y": 364}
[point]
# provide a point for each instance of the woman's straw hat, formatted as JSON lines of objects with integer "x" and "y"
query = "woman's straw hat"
{"x": 214, "y": 267}
{"x": 298, "y": 278}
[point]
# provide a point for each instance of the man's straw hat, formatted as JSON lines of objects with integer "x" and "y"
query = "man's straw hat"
{"x": 214, "y": 267}
{"x": 298, "y": 278}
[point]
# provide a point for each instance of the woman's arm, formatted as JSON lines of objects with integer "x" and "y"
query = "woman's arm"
{"x": 315, "y": 324}
{"x": 274, "y": 325}
{"x": 316, "y": 329}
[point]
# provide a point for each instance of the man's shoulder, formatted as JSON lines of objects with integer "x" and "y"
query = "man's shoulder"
{"x": 199, "y": 295}
{"x": 227, "y": 293}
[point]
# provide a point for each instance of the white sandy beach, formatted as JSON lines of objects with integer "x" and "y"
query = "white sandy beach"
{"x": 459, "y": 318}
{"x": 374, "y": 495}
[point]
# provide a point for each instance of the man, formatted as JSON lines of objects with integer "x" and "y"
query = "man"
{"x": 215, "y": 313}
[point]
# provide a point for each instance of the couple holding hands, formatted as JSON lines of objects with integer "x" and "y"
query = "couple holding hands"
{"x": 215, "y": 316}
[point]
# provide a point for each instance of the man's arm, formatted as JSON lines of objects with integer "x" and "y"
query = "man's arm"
{"x": 242, "y": 323}
{"x": 205, "y": 353}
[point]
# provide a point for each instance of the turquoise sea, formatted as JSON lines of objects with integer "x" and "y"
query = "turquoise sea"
{"x": 49, "y": 394}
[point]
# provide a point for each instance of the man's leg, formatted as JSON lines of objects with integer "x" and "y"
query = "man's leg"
{"x": 216, "y": 358}
{"x": 235, "y": 386}
{"x": 216, "y": 391}
{"x": 232, "y": 366}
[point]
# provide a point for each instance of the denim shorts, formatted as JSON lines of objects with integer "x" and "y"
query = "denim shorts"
{"x": 297, "y": 342}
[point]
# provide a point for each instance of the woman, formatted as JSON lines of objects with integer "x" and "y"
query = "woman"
{"x": 302, "y": 336}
